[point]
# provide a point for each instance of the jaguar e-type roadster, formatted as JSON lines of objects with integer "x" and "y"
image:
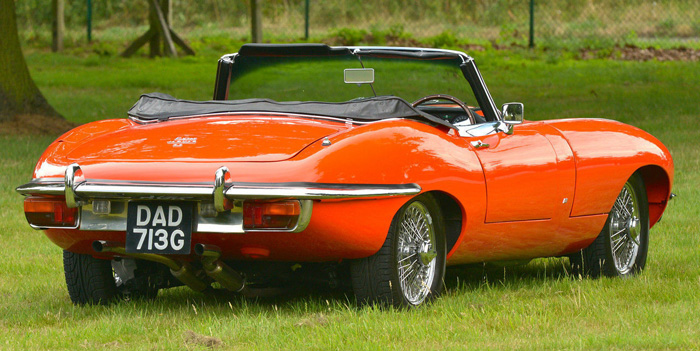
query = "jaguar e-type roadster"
{"x": 376, "y": 166}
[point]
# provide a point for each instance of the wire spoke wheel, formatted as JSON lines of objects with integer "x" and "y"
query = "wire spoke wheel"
{"x": 620, "y": 250}
{"x": 416, "y": 253}
{"x": 625, "y": 229}
{"x": 409, "y": 268}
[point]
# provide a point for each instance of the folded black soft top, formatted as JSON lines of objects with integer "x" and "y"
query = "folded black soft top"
{"x": 159, "y": 106}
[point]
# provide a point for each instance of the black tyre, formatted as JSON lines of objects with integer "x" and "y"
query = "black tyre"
{"x": 620, "y": 250}
{"x": 409, "y": 268}
{"x": 94, "y": 281}
{"x": 89, "y": 280}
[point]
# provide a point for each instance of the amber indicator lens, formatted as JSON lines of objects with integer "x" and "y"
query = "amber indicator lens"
{"x": 271, "y": 215}
{"x": 49, "y": 212}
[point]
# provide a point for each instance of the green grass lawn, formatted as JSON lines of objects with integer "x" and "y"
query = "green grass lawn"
{"x": 536, "y": 306}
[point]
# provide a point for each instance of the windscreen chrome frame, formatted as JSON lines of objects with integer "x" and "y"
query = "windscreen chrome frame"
{"x": 469, "y": 69}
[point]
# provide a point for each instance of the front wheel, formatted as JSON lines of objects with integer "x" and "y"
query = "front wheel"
{"x": 409, "y": 268}
{"x": 621, "y": 247}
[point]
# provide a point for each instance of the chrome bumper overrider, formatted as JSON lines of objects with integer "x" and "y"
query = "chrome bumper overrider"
{"x": 217, "y": 193}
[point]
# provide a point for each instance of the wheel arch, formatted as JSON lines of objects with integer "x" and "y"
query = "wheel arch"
{"x": 658, "y": 187}
{"x": 453, "y": 217}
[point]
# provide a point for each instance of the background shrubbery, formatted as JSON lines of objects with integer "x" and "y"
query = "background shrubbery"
{"x": 558, "y": 23}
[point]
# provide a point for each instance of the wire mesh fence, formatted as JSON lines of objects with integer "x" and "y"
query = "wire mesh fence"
{"x": 604, "y": 23}
{"x": 557, "y": 23}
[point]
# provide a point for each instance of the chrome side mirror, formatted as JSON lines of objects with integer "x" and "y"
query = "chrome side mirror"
{"x": 512, "y": 112}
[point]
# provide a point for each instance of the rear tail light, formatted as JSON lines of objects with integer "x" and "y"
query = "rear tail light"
{"x": 49, "y": 212}
{"x": 279, "y": 215}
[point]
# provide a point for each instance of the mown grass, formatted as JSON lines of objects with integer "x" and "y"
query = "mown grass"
{"x": 536, "y": 306}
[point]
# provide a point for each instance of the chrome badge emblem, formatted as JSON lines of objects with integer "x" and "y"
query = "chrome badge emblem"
{"x": 179, "y": 141}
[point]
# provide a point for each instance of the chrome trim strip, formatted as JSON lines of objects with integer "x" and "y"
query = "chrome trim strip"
{"x": 483, "y": 129}
{"x": 358, "y": 49}
{"x": 43, "y": 188}
{"x": 199, "y": 191}
{"x": 136, "y": 191}
{"x": 318, "y": 193}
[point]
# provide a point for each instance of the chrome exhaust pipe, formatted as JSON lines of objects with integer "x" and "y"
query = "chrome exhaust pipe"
{"x": 180, "y": 270}
{"x": 217, "y": 270}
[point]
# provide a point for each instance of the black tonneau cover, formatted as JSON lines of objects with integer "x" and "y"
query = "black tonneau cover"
{"x": 161, "y": 107}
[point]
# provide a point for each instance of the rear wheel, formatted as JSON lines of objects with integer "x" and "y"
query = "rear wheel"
{"x": 621, "y": 247}
{"x": 89, "y": 280}
{"x": 94, "y": 281}
{"x": 409, "y": 268}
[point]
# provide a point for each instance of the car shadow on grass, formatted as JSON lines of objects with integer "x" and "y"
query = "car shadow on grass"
{"x": 307, "y": 297}
{"x": 511, "y": 274}
{"x": 221, "y": 302}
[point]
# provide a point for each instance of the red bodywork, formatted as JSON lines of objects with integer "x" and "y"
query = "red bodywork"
{"x": 544, "y": 190}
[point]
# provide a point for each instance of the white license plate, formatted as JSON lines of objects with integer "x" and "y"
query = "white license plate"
{"x": 159, "y": 227}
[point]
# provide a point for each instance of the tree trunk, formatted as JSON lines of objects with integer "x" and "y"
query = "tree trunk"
{"x": 18, "y": 94}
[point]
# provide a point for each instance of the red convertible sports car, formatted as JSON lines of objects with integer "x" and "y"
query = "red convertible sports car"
{"x": 377, "y": 166}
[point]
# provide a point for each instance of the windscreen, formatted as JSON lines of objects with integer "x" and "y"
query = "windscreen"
{"x": 307, "y": 78}
{"x": 321, "y": 78}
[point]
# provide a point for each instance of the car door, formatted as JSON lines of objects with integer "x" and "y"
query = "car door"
{"x": 529, "y": 173}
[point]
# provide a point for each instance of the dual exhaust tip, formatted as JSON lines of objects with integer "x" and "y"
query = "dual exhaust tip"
{"x": 211, "y": 264}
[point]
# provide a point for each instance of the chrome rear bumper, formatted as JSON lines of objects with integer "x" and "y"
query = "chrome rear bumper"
{"x": 81, "y": 193}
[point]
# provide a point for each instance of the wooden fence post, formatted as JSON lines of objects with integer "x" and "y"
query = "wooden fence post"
{"x": 154, "y": 42}
{"x": 256, "y": 21}
{"x": 164, "y": 29}
{"x": 531, "y": 41}
{"x": 159, "y": 31}
{"x": 58, "y": 27}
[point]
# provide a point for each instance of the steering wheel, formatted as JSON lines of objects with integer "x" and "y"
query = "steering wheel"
{"x": 457, "y": 101}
